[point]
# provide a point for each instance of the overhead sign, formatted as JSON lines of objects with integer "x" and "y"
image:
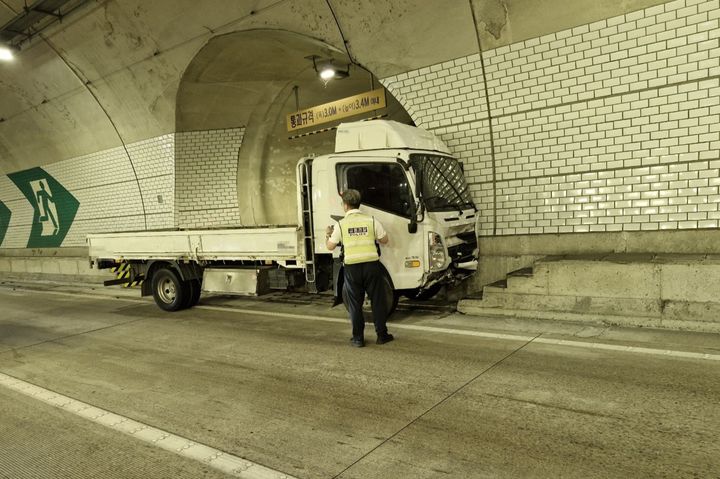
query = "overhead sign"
{"x": 4, "y": 221}
{"x": 336, "y": 110}
{"x": 54, "y": 207}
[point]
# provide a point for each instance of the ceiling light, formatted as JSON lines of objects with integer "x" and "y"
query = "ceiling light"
{"x": 327, "y": 70}
{"x": 6, "y": 54}
{"x": 327, "y": 73}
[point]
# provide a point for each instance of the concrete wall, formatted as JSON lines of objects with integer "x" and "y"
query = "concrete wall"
{"x": 502, "y": 254}
{"x": 49, "y": 264}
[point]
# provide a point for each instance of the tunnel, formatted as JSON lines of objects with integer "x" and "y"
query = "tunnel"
{"x": 511, "y": 206}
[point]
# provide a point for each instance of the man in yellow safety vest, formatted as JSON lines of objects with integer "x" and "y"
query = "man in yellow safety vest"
{"x": 358, "y": 232}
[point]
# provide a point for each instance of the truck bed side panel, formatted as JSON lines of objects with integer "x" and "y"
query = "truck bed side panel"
{"x": 200, "y": 245}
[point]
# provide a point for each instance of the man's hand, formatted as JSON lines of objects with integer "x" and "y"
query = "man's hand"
{"x": 328, "y": 232}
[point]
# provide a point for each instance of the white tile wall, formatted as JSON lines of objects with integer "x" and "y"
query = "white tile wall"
{"x": 19, "y": 227}
{"x": 609, "y": 126}
{"x": 206, "y": 178}
{"x": 105, "y": 185}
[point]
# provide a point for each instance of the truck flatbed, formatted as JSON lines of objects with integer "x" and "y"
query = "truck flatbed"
{"x": 239, "y": 244}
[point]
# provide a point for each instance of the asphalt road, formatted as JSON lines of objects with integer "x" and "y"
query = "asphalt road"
{"x": 283, "y": 388}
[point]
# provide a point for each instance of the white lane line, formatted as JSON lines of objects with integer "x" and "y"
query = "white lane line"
{"x": 629, "y": 349}
{"x": 229, "y": 464}
{"x": 481, "y": 334}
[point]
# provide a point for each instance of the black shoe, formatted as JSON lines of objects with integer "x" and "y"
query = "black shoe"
{"x": 357, "y": 342}
{"x": 386, "y": 338}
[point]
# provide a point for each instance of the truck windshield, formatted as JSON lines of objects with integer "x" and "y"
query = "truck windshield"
{"x": 441, "y": 182}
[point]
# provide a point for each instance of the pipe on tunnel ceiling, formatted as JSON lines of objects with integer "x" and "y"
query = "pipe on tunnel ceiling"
{"x": 24, "y": 24}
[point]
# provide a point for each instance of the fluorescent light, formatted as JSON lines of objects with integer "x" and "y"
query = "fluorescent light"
{"x": 6, "y": 54}
{"x": 327, "y": 73}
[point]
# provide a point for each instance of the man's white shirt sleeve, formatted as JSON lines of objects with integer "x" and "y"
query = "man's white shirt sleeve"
{"x": 379, "y": 230}
{"x": 336, "y": 236}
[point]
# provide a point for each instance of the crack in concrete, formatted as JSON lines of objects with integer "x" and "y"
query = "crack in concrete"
{"x": 446, "y": 398}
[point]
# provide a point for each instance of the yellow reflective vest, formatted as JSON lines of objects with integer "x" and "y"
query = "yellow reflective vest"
{"x": 358, "y": 238}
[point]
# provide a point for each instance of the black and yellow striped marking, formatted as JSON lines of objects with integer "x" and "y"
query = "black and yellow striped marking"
{"x": 121, "y": 268}
{"x": 136, "y": 282}
{"x": 123, "y": 271}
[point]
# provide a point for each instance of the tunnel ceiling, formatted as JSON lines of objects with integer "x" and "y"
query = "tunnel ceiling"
{"x": 111, "y": 72}
{"x": 235, "y": 74}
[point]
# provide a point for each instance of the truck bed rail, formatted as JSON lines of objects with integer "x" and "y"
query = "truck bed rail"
{"x": 239, "y": 244}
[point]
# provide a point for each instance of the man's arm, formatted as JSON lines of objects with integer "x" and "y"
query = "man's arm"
{"x": 381, "y": 235}
{"x": 332, "y": 237}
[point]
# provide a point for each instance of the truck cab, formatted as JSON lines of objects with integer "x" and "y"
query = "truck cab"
{"x": 410, "y": 182}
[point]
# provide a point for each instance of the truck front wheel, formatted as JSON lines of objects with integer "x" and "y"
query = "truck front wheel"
{"x": 391, "y": 297}
{"x": 169, "y": 291}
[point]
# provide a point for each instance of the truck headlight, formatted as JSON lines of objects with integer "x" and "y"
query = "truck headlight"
{"x": 436, "y": 252}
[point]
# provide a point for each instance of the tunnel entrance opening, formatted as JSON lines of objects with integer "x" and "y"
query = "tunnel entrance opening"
{"x": 235, "y": 160}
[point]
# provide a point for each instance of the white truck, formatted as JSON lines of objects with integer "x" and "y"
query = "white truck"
{"x": 408, "y": 180}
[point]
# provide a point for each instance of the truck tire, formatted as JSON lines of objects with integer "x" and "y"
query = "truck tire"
{"x": 169, "y": 291}
{"x": 391, "y": 297}
{"x": 195, "y": 289}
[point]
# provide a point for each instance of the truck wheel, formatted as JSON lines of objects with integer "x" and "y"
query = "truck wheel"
{"x": 195, "y": 289}
{"x": 169, "y": 291}
{"x": 423, "y": 295}
{"x": 391, "y": 297}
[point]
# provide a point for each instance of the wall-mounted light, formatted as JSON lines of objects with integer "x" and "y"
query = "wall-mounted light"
{"x": 6, "y": 53}
{"x": 327, "y": 70}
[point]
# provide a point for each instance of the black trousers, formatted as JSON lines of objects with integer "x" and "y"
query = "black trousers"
{"x": 361, "y": 278}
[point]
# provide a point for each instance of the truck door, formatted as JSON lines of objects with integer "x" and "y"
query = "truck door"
{"x": 387, "y": 196}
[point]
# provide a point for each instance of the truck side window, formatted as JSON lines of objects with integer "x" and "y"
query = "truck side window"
{"x": 382, "y": 185}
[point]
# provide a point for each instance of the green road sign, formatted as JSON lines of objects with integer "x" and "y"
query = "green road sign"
{"x": 54, "y": 207}
{"x": 4, "y": 221}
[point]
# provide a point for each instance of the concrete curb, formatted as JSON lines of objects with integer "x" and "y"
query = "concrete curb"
{"x": 473, "y": 307}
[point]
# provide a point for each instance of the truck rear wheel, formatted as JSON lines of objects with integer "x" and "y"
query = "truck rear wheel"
{"x": 193, "y": 297}
{"x": 169, "y": 291}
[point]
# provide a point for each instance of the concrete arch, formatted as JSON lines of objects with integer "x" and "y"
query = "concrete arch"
{"x": 246, "y": 80}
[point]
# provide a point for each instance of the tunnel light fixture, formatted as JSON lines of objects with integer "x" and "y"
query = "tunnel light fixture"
{"x": 327, "y": 70}
{"x": 327, "y": 73}
{"x": 6, "y": 53}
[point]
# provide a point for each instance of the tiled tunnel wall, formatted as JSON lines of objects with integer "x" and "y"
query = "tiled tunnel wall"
{"x": 187, "y": 179}
{"x": 206, "y": 178}
{"x": 611, "y": 126}
{"x": 106, "y": 189}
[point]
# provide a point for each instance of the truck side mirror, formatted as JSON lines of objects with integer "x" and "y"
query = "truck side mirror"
{"x": 412, "y": 226}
